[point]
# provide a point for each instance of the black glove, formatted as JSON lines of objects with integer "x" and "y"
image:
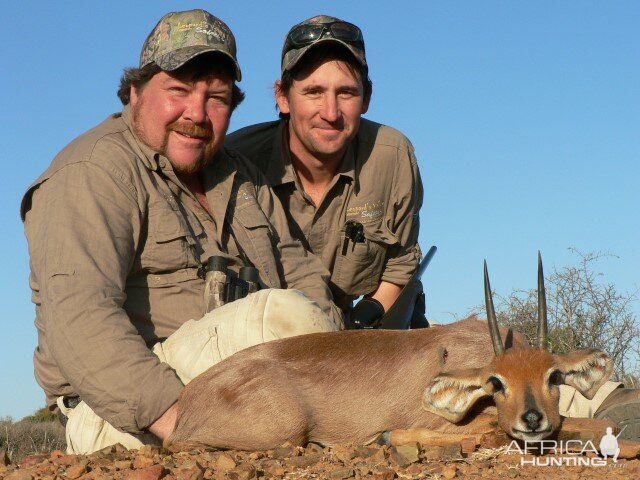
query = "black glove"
{"x": 419, "y": 319}
{"x": 365, "y": 314}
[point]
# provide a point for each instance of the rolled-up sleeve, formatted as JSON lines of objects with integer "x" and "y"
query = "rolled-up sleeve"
{"x": 403, "y": 218}
{"x": 83, "y": 228}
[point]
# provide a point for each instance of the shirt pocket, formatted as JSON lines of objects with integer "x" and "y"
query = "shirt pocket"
{"x": 254, "y": 236}
{"x": 170, "y": 243}
{"x": 359, "y": 267}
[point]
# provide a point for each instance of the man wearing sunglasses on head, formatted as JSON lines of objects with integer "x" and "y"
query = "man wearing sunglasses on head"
{"x": 352, "y": 190}
{"x": 351, "y": 187}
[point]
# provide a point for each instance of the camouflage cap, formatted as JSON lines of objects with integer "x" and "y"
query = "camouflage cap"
{"x": 180, "y": 36}
{"x": 292, "y": 55}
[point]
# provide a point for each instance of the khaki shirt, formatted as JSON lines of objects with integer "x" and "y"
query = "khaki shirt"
{"x": 377, "y": 184}
{"x": 115, "y": 242}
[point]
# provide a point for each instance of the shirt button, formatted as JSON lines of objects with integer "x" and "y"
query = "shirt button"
{"x": 163, "y": 164}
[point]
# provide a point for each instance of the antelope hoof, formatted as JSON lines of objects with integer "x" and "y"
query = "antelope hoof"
{"x": 384, "y": 438}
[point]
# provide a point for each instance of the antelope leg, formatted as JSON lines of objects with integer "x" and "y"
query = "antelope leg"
{"x": 426, "y": 436}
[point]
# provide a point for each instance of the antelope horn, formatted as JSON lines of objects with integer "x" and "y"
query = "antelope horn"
{"x": 498, "y": 348}
{"x": 542, "y": 307}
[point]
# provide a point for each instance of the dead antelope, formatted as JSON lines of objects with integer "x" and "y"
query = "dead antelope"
{"x": 351, "y": 386}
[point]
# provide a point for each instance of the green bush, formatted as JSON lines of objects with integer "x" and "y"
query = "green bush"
{"x": 42, "y": 415}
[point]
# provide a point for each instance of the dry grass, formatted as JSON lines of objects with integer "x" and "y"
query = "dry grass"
{"x": 484, "y": 454}
{"x": 38, "y": 433}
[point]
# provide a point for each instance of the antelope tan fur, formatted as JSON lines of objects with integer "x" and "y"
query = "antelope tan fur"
{"x": 351, "y": 386}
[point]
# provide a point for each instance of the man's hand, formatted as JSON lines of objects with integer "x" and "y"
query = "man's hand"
{"x": 369, "y": 310}
{"x": 387, "y": 293}
{"x": 166, "y": 424}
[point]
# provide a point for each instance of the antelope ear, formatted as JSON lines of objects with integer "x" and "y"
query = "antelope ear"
{"x": 452, "y": 394}
{"x": 585, "y": 370}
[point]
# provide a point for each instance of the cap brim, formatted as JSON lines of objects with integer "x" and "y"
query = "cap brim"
{"x": 295, "y": 58}
{"x": 177, "y": 58}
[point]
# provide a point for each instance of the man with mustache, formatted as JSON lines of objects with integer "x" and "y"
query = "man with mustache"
{"x": 351, "y": 187}
{"x": 119, "y": 228}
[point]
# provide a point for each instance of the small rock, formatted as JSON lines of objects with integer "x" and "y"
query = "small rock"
{"x": 225, "y": 463}
{"x": 435, "y": 469}
{"x": 65, "y": 460}
{"x": 32, "y": 460}
{"x": 628, "y": 449}
{"x": 19, "y": 475}
{"x": 119, "y": 448}
{"x": 246, "y": 471}
{"x": 398, "y": 459}
{"x": 468, "y": 445}
{"x": 155, "y": 472}
{"x": 207, "y": 458}
{"x": 104, "y": 451}
{"x": 410, "y": 451}
{"x": 366, "y": 452}
{"x": 495, "y": 439}
{"x": 272, "y": 468}
{"x": 432, "y": 453}
{"x": 256, "y": 455}
{"x": 149, "y": 450}
{"x": 449, "y": 471}
{"x": 189, "y": 473}
{"x": 452, "y": 452}
{"x": 97, "y": 476}
{"x": 380, "y": 455}
{"x": 415, "y": 469}
{"x": 142, "y": 462}
{"x": 285, "y": 451}
{"x": 123, "y": 464}
{"x": 513, "y": 473}
{"x": 384, "y": 473}
{"x": 313, "y": 449}
{"x": 44, "y": 469}
{"x": 303, "y": 461}
{"x": 344, "y": 453}
{"x": 341, "y": 473}
{"x": 190, "y": 463}
{"x": 208, "y": 474}
{"x": 363, "y": 469}
{"x": 76, "y": 471}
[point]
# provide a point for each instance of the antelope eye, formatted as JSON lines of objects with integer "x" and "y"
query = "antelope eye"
{"x": 555, "y": 378}
{"x": 496, "y": 384}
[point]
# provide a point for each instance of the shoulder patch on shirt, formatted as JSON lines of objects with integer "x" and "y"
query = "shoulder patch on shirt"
{"x": 366, "y": 212}
{"x": 246, "y": 195}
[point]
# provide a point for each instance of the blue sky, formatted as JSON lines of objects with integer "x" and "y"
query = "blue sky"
{"x": 525, "y": 117}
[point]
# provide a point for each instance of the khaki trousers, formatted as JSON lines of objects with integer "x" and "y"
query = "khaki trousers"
{"x": 198, "y": 344}
{"x": 574, "y": 404}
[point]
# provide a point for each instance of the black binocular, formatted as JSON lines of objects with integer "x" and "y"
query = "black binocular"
{"x": 224, "y": 285}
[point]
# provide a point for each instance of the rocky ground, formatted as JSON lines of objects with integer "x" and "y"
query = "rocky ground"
{"x": 466, "y": 459}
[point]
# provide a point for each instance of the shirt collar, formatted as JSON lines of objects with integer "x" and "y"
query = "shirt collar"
{"x": 280, "y": 169}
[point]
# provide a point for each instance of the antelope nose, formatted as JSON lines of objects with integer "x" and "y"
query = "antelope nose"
{"x": 532, "y": 418}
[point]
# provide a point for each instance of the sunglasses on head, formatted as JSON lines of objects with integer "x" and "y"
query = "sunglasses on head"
{"x": 309, "y": 33}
